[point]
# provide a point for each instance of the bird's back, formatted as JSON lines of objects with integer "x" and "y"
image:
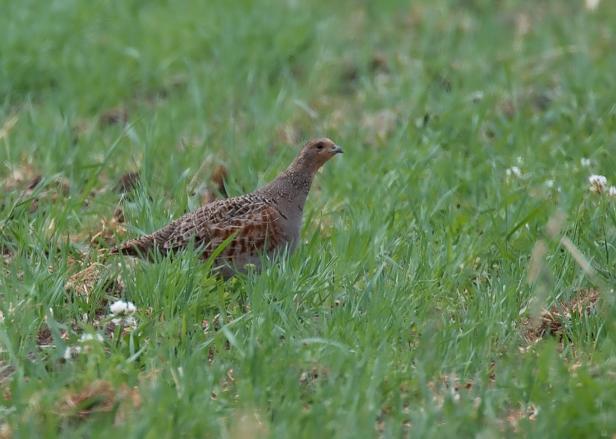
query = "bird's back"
{"x": 253, "y": 219}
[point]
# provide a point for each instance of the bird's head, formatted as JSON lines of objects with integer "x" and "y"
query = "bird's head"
{"x": 316, "y": 152}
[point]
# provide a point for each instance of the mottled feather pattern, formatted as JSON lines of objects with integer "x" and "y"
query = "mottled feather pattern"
{"x": 251, "y": 217}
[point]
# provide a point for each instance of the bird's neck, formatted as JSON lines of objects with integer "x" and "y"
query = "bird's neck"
{"x": 292, "y": 186}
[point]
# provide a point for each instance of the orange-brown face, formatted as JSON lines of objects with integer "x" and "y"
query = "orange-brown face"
{"x": 318, "y": 151}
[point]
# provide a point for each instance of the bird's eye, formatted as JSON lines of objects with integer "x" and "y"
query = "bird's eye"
{"x": 319, "y": 146}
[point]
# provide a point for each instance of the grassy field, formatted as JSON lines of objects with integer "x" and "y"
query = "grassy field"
{"x": 456, "y": 276}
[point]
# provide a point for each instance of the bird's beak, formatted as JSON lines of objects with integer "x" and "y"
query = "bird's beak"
{"x": 337, "y": 150}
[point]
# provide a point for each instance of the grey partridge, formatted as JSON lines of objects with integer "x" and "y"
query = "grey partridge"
{"x": 262, "y": 222}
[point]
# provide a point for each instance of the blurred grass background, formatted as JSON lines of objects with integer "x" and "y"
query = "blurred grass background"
{"x": 405, "y": 311}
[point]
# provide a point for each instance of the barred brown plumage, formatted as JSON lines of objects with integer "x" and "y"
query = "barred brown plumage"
{"x": 262, "y": 222}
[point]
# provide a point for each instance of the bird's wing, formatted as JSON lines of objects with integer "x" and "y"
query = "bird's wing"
{"x": 253, "y": 220}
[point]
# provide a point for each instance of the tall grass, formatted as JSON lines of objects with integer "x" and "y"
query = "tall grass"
{"x": 405, "y": 311}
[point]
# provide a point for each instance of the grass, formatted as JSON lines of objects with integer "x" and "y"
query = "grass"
{"x": 403, "y": 312}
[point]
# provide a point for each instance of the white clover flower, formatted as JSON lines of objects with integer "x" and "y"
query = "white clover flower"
{"x": 514, "y": 171}
{"x": 585, "y": 162}
{"x": 598, "y": 183}
{"x": 549, "y": 184}
{"x": 591, "y": 5}
{"x": 612, "y": 191}
{"x": 476, "y": 96}
{"x": 90, "y": 337}
{"x": 71, "y": 352}
{"x": 121, "y": 307}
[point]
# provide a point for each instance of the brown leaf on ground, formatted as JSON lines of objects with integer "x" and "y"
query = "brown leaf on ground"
{"x": 127, "y": 182}
{"x": 379, "y": 63}
{"x": 553, "y": 321}
{"x": 448, "y": 385}
{"x": 312, "y": 376}
{"x": 213, "y": 325}
{"x": 492, "y": 372}
{"x": 26, "y": 179}
{"x": 44, "y": 338}
{"x": 385, "y": 413}
{"x": 34, "y": 182}
{"x": 6, "y": 255}
{"x": 228, "y": 381}
{"x": 22, "y": 177}
{"x": 515, "y": 416}
{"x": 208, "y": 191}
{"x": 118, "y": 215}
{"x": 219, "y": 176}
{"x": 114, "y": 116}
{"x": 99, "y": 397}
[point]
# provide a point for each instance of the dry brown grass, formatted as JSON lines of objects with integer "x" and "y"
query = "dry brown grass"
{"x": 99, "y": 397}
{"x": 84, "y": 281}
{"x": 553, "y": 321}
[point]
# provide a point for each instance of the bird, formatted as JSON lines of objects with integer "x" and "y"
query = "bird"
{"x": 263, "y": 222}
